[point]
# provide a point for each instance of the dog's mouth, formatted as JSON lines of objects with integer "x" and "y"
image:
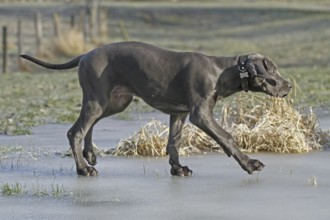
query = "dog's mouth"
{"x": 283, "y": 95}
{"x": 280, "y": 94}
{"x": 285, "y": 91}
{"x": 276, "y": 92}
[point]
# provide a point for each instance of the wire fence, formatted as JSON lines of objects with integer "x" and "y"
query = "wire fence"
{"x": 28, "y": 29}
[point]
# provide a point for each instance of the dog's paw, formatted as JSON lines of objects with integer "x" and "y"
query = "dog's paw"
{"x": 253, "y": 165}
{"x": 88, "y": 171}
{"x": 90, "y": 157}
{"x": 181, "y": 171}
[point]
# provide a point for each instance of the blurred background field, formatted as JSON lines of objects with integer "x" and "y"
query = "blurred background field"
{"x": 294, "y": 34}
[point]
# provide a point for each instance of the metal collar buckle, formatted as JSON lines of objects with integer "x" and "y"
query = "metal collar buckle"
{"x": 244, "y": 74}
{"x": 241, "y": 67}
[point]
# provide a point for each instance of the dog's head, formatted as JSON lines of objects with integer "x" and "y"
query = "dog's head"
{"x": 263, "y": 76}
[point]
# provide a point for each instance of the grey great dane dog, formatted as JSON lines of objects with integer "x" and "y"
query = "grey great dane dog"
{"x": 176, "y": 83}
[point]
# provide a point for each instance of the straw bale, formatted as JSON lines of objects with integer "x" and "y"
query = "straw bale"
{"x": 272, "y": 125}
{"x": 257, "y": 123}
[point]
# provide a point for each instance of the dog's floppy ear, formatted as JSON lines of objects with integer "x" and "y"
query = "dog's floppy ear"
{"x": 250, "y": 67}
{"x": 258, "y": 65}
{"x": 269, "y": 65}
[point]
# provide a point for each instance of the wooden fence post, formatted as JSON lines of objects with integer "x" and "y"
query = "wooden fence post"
{"x": 81, "y": 21}
{"x": 123, "y": 30}
{"x": 72, "y": 22}
{"x": 81, "y": 25}
{"x": 19, "y": 44}
{"x": 38, "y": 29}
{"x": 93, "y": 20}
{"x": 103, "y": 23}
{"x": 4, "y": 49}
{"x": 88, "y": 24}
{"x": 57, "y": 24}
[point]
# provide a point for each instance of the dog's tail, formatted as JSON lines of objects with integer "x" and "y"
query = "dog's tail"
{"x": 71, "y": 64}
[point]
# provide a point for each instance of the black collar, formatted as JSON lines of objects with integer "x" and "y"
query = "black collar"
{"x": 243, "y": 73}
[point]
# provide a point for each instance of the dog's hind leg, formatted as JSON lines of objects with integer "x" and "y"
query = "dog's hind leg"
{"x": 90, "y": 112}
{"x": 119, "y": 99}
{"x": 174, "y": 140}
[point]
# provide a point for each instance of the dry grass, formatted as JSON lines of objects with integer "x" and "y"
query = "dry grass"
{"x": 272, "y": 125}
{"x": 258, "y": 124}
{"x": 151, "y": 140}
{"x": 70, "y": 44}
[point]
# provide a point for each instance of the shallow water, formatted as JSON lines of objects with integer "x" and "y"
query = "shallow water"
{"x": 291, "y": 186}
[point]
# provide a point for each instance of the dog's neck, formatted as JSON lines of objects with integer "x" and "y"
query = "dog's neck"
{"x": 229, "y": 81}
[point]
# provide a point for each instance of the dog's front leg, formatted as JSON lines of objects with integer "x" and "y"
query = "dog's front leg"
{"x": 174, "y": 140}
{"x": 202, "y": 117}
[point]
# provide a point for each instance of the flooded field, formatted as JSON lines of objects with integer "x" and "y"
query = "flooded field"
{"x": 291, "y": 185}
{"x": 38, "y": 182}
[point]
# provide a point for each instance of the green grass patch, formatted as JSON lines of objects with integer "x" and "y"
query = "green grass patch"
{"x": 296, "y": 38}
{"x": 15, "y": 189}
{"x": 313, "y": 86}
{"x": 58, "y": 190}
{"x": 18, "y": 189}
{"x": 28, "y": 100}
{"x": 9, "y": 150}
